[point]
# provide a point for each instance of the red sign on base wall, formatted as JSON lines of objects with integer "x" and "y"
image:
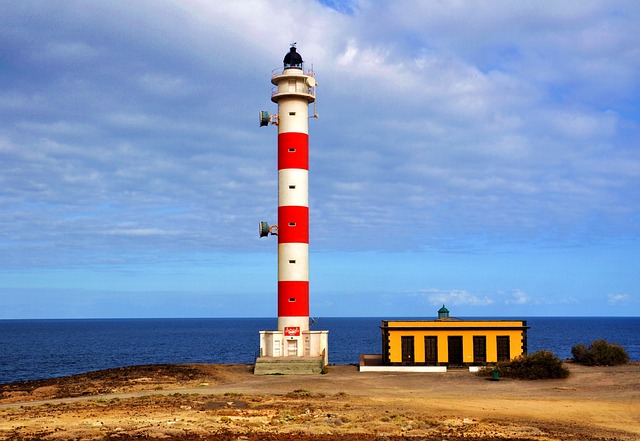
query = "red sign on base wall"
{"x": 291, "y": 331}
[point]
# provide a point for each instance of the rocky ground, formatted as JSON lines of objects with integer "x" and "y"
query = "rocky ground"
{"x": 227, "y": 402}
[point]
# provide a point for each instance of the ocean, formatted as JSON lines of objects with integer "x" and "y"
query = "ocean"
{"x": 36, "y": 349}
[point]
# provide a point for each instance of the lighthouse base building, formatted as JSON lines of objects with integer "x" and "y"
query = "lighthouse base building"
{"x": 293, "y": 348}
{"x": 280, "y": 353}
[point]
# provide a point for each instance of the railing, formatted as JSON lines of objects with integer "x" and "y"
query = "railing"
{"x": 280, "y": 70}
{"x": 299, "y": 89}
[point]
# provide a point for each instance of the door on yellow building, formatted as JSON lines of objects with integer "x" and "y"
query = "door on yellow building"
{"x": 431, "y": 350}
{"x": 504, "y": 348}
{"x": 479, "y": 349}
{"x": 455, "y": 350}
{"x": 407, "y": 350}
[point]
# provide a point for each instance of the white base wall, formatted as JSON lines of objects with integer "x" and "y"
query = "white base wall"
{"x": 403, "y": 368}
{"x": 293, "y": 322}
{"x": 307, "y": 344}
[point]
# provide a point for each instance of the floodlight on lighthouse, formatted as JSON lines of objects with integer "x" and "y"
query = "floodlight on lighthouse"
{"x": 266, "y": 119}
{"x": 266, "y": 229}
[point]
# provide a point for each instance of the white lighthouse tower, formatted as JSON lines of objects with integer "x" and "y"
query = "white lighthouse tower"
{"x": 293, "y": 348}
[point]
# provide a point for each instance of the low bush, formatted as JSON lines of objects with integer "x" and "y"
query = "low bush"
{"x": 304, "y": 393}
{"x": 599, "y": 353}
{"x": 541, "y": 365}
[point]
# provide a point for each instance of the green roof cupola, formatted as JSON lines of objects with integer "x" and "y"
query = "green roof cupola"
{"x": 443, "y": 312}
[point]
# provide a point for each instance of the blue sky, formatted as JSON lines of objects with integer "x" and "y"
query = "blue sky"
{"x": 485, "y": 155}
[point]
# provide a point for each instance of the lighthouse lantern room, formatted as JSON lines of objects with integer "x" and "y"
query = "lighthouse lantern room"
{"x": 294, "y": 347}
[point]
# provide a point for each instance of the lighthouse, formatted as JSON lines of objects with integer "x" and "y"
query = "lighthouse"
{"x": 294, "y": 90}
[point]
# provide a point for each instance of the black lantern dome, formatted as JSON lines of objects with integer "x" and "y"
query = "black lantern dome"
{"x": 292, "y": 59}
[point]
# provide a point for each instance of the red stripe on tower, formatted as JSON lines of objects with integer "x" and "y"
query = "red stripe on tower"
{"x": 293, "y": 299}
{"x": 293, "y": 150}
{"x": 293, "y": 224}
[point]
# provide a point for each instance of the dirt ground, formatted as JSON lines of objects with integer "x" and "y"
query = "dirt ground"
{"x": 227, "y": 402}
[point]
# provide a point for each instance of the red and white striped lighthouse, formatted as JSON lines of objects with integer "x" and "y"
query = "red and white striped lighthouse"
{"x": 293, "y": 92}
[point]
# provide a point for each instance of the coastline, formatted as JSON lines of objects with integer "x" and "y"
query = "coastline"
{"x": 200, "y": 401}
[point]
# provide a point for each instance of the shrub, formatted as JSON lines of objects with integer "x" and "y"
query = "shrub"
{"x": 580, "y": 353}
{"x": 541, "y": 365}
{"x": 599, "y": 353}
{"x": 304, "y": 393}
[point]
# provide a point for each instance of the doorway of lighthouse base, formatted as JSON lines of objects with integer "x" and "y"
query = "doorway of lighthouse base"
{"x": 292, "y": 348}
{"x": 407, "y": 350}
{"x": 455, "y": 350}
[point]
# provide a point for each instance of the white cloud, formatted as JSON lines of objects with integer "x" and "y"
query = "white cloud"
{"x": 454, "y": 297}
{"x": 618, "y": 299}
{"x": 61, "y": 51}
{"x": 166, "y": 86}
{"x": 142, "y": 232}
{"x": 518, "y": 297}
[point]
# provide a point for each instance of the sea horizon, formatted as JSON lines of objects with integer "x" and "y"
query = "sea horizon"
{"x": 488, "y": 317}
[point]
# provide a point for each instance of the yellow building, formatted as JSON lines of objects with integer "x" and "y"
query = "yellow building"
{"x": 449, "y": 341}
